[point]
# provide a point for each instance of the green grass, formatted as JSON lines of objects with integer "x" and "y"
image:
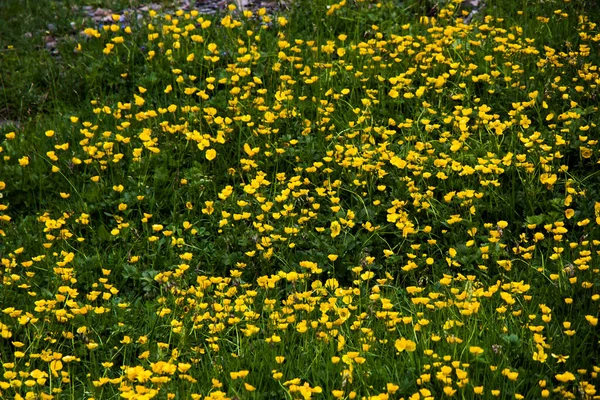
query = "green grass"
{"x": 349, "y": 200}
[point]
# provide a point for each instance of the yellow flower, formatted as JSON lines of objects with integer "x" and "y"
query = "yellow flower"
{"x": 449, "y": 391}
{"x": 335, "y": 229}
{"x": 234, "y": 375}
{"x": 209, "y": 207}
{"x": 511, "y": 375}
{"x": 392, "y": 388}
{"x": 548, "y": 179}
{"x": 138, "y": 100}
{"x": 565, "y": 377}
{"x": 569, "y": 213}
{"x": 277, "y": 375}
{"x": 157, "y": 227}
{"x": 405, "y": 344}
{"x": 476, "y": 350}
{"x": 585, "y": 152}
{"x": 506, "y": 264}
{"x": 55, "y": 365}
{"x": 398, "y": 162}
{"x": 560, "y": 358}
{"x": 592, "y": 320}
{"x": 367, "y": 275}
{"x": 211, "y": 154}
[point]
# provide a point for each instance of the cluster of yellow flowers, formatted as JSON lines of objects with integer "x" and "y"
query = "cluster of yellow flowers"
{"x": 375, "y": 223}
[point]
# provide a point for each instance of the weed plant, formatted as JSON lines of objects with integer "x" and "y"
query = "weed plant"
{"x": 353, "y": 199}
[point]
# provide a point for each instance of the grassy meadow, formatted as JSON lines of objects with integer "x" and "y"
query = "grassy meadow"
{"x": 337, "y": 199}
